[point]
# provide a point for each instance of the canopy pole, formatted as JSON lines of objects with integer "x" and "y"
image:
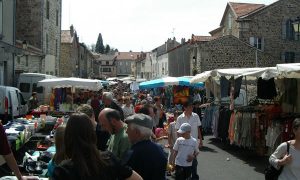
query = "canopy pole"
{"x": 246, "y": 90}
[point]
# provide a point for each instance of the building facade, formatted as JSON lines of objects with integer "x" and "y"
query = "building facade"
{"x": 160, "y": 58}
{"x": 8, "y": 49}
{"x": 246, "y": 26}
{"x": 69, "y": 59}
{"x": 85, "y": 62}
{"x": 179, "y": 60}
{"x": 126, "y": 63}
{"x": 38, "y": 23}
{"x": 104, "y": 66}
{"x": 265, "y": 28}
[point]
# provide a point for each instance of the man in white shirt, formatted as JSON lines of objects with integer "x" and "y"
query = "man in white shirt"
{"x": 193, "y": 119}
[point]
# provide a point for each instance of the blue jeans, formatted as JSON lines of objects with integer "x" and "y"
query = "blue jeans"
{"x": 195, "y": 175}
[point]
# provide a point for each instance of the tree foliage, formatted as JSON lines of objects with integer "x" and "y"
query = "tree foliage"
{"x": 107, "y": 49}
{"x": 99, "y": 45}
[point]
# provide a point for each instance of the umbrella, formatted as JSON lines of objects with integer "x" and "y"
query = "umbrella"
{"x": 168, "y": 81}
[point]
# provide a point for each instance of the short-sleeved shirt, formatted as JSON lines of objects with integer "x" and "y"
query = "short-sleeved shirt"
{"x": 185, "y": 147}
{"x": 119, "y": 143}
{"x": 4, "y": 146}
{"x": 194, "y": 121}
{"x": 148, "y": 160}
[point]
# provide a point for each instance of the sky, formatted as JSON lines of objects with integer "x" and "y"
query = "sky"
{"x": 143, "y": 25}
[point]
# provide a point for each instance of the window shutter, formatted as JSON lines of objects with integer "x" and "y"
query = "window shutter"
{"x": 262, "y": 44}
{"x": 252, "y": 39}
{"x": 283, "y": 30}
{"x": 283, "y": 57}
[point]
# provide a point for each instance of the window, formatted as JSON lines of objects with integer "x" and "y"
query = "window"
{"x": 257, "y": 42}
{"x": 1, "y": 18}
{"x": 37, "y": 89}
{"x": 120, "y": 63}
{"x": 48, "y": 9}
{"x": 56, "y": 48}
{"x": 26, "y": 62}
{"x": 290, "y": 34}
{"x": 107, "y": 62}
{"x": 229, "y": 21}
{"x": 106, "y": 69}
{"x": 18, "y": 60}
{"x": 47, "y": 42}
{"x": 56, "y": 17}
{"x": 289, "y": 57}
{"x": 24, "y": 87}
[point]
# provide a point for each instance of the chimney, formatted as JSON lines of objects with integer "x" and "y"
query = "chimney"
{"x": 72, "y": 30}
{"x": 182, "y": 40}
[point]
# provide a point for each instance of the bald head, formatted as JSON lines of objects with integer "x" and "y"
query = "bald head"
{"x": 110, "y": 120}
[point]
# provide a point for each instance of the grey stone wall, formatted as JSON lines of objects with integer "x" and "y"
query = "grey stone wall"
{"x": 179, "y": 63}
{"x": 229, "y": 52}
{"x": 269, "y": 24}
{"x": 33, "y": 25}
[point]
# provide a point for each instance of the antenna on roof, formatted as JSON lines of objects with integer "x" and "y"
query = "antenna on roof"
{"x": 173, "y": 32}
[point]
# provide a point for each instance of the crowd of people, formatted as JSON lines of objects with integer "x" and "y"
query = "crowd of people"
{"x": 113, "y": 135}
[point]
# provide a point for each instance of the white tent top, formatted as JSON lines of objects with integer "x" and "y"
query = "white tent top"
{"x": 289, "y": 70}
{"x": 265, "y": 73}
{"x": 88, "y": 84}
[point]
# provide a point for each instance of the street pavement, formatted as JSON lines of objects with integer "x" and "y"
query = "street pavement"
{"x": 220, "y": 161}
{"x": 217, "y": 160}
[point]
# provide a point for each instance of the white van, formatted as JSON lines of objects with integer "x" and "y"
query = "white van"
{"x": 28, "y": 83}
{"x": 12, "y": 103}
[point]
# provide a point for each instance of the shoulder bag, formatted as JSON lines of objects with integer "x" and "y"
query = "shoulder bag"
{"x": 272, "y": 173}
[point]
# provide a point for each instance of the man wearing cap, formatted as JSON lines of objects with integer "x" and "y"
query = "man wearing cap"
{"x": 145, "y": 157}
{"x": 185, "y": 150}
{"x": 118, "y": 142}
{"x": 193, "y": 119}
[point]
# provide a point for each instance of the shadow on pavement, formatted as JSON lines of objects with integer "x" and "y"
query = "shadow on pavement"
{"x": 207, "y": 149}
{"x": 248, "y": 156}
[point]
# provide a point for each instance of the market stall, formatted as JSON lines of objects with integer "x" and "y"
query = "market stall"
{"x": 266, "y": 120}
{"x": 72, "y": 84}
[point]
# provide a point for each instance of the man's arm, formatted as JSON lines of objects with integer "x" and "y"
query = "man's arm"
{"x": 200, "y": 137}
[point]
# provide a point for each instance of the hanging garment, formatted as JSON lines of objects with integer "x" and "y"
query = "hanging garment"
{"x": 225, "y": 87}
{"x": 266, "y": 88}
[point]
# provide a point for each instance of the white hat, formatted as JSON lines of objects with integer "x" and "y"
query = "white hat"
{"x": 185, "y": 127}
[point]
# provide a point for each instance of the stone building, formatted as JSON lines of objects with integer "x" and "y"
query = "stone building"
{"x": 86, "y": 59}
{"x": 69, "y": 59}
{"x": 179, "y": 60}
{"x": 104, "y": 66}
{"x": 143, "y": 66}
{"x": 38, "y": 23}
{"x": 30, "y": 61}
{"x": 267, "y": 29}
{"x": 228, "y": 52}
{"x": 7, "y": 42}
{"x": 160, "y": 58}
{"x": 126, "y": 62}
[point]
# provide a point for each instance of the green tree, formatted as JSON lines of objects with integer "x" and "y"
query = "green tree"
{"x": 107, "y": 49}
{"x": 99, "y": 45}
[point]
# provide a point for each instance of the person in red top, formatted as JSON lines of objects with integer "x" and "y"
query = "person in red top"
{"x": 5, "y": 151}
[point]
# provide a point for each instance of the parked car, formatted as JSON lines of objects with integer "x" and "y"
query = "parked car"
{"x": 12, "y": 103}
{"x": 28, "y": 83}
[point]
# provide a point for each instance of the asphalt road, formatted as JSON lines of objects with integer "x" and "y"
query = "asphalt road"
{"x": 225, "y": 162}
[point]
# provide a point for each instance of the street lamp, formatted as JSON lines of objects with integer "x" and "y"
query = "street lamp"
{"x": 296, "y": 25}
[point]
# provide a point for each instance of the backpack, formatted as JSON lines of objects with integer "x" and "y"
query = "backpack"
{"x": 272, "y": 173}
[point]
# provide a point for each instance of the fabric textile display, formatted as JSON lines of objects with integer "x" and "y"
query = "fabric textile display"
{"x": 266, "y": 88}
